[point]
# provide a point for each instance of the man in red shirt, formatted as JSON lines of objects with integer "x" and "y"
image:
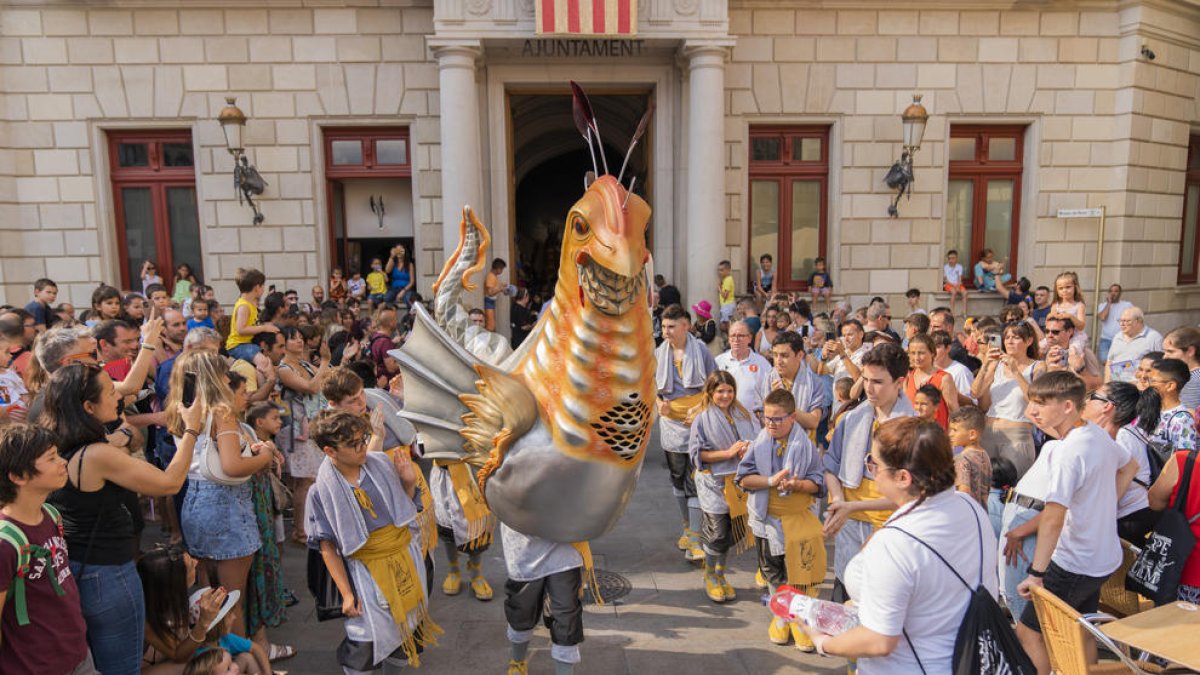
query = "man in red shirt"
{"x": 42, "y": 631}
{"x": 117, "y": 341}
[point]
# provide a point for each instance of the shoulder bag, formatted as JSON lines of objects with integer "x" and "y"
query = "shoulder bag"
{"x": 210, "y": 459}
{"x": 1157, "y": 571}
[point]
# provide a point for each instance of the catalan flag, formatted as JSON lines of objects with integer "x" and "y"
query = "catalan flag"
{"x": 587, "y": 17}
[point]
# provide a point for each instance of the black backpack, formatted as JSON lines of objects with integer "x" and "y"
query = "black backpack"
{"x": 986, "y": 643}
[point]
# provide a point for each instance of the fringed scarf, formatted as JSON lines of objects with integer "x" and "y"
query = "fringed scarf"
{"x": 426, "y": 519}
{"x": 481, "y": 523}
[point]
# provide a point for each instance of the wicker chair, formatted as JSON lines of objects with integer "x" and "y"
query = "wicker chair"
{"x": 1064, "y": 631}
{"x": 1113, "y": 596}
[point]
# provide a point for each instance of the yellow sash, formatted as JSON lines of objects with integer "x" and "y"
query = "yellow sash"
{"x": 386, "y": 558}
{"x": 739, "y": 515}
{"x": 804, "y": 546}
{"x": 425, "y": 518}
{"x": 680, "y": 406}
{"x": 866, "y": 491}
{"x": 480, "y": 521}
{"x": 589, "y": 571}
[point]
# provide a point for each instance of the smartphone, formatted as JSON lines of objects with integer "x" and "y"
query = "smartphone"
{"x": 189, "y": 389}
{"x": 994, "y": 341}
{"x": 830, "y": 337}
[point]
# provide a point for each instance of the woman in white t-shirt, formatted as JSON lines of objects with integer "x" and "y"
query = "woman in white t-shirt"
{"x": 1000, "y": 389}
{"x": 900, "y": 586}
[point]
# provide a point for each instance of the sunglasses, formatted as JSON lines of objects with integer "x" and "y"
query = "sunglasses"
{"x": 1054, "y": 331}
{"x": 1099, "y": 397}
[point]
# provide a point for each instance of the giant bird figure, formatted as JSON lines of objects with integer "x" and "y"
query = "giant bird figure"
{"x": 558, "y": 429}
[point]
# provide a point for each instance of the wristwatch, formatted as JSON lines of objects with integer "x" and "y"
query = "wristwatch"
{"x": 1035, "y": 573}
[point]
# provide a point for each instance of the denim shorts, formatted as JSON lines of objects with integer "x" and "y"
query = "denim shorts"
{"x": 1079, "y": 591}
{"x": 218, "y": 520}
{"x": 245, "y": 352}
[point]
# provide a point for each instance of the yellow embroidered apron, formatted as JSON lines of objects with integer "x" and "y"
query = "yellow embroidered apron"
{"x": 386, "y": 557}
{"x": 804, "y": 546}
{"x": 739, "y": 515}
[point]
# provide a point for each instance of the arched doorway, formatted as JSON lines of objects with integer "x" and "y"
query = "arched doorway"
{"x": 550, "y": 161}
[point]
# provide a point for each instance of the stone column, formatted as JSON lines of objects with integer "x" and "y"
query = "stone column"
{"x": 462, "y": 153}
{"x": 704, "y": 231}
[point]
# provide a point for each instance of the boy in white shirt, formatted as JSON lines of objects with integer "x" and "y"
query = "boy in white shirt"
{"x": 952, "y": 282}
{"x": 1077, "y": 545}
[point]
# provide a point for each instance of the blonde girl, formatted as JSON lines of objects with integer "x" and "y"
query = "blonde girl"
{"x": 721, "y": 431}
{"x": 1069, "y": 305}
{"x": 218, "y": 520}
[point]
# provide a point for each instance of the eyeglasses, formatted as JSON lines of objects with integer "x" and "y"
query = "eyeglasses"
{"x": 874, "y": 466}
{"x": 1054, "y": 331}
{"x": 1098, "y": 397}
{"x": 359, "y": 444}
{"x": 775, "y": 421}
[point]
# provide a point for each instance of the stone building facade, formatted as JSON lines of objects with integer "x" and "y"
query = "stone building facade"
{"x": 775, "y": 124}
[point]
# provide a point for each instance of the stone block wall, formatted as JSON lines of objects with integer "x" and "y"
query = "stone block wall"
{"x": 69, "y": 72}
{"x": 1106, "y": 127}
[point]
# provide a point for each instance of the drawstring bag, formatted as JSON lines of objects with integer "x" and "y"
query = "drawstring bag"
{"x": 986, "y": 643}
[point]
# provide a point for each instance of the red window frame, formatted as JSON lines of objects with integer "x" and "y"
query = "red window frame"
{"x": 157, "y": 177}
{"x": 1192, "y": 179}
{"x": 784, "y": 172}
{"x": 980, "y": 170}
{"x": 369, "y": 168}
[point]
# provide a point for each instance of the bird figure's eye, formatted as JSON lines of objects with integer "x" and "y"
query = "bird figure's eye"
{"x": 580, "y": 226}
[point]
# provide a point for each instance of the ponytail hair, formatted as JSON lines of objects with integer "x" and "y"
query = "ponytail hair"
{"x": 920, "y": 448}
{"x": 1143, "y": 406}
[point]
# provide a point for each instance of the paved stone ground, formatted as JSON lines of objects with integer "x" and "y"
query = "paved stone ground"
{"x": 665, "y": 624}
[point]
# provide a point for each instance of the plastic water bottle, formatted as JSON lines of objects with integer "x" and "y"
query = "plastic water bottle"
{"x": 831, "y": 618}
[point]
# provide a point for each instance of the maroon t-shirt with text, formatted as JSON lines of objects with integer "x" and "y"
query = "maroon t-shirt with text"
{"x": 55, "y": 641}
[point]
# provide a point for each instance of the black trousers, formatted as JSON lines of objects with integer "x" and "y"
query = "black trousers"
{"x": 774, "y": 567}
{"x": 554, "y": 599}
{"x": 680, "y": 466}
{"x": 715, "y": 535}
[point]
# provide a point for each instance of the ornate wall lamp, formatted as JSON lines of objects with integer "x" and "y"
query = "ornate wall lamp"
{"x": 246, "y": 179}
{"x": 900, "y": 176}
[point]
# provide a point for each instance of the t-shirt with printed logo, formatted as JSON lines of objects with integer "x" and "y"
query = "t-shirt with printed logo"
{"x": 55, "y": 640}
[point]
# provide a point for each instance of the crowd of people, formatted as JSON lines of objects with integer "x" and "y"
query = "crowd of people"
{"x": 835, "y": 414}
{"x": 957, "y": 448}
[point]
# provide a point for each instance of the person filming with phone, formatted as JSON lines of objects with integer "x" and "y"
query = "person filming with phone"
{"x": 1010, "y": 364}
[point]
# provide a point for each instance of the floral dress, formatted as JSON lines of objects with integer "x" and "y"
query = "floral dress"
{"x": 264, "y": 589}
{"x": 303, "y": 455}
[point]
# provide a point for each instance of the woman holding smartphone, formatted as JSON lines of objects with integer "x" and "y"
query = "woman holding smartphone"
{"x": 218, "y": 520}
{"x": 1010, "y": 364}
{"x": 79, "y": 401}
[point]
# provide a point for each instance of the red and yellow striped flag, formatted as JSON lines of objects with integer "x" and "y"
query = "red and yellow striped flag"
{"x": 587, "y": 17}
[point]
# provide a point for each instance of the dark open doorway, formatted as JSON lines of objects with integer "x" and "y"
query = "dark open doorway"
{"x": 550, "y": 161}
